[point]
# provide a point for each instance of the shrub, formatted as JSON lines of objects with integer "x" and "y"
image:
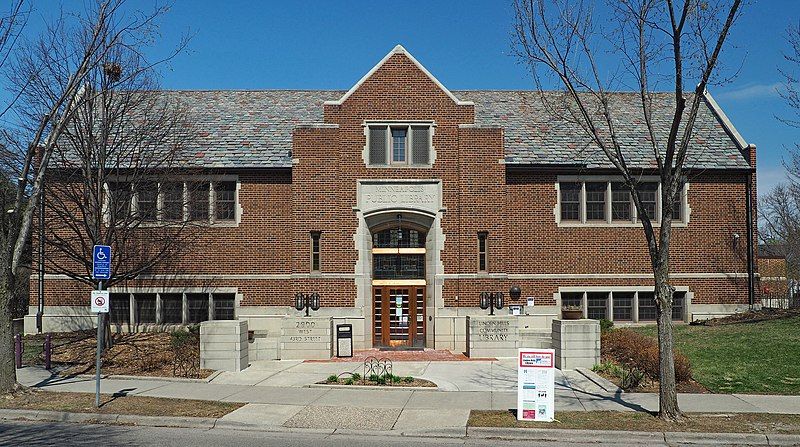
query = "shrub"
{"x": 639, "y": 352}
{"x": 356, "y": 376}
{"x": 381, "y": 381}
{"x": 408, "y": 379}
{"x": 333, "y": 378}
{"x": 373, "y": 377}
{"x": 349, "y": 381}
{"x": 606, "y": 325}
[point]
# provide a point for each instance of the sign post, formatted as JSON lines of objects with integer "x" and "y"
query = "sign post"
{"x": 101, "y": 271}
{"x": 536, "y": 385}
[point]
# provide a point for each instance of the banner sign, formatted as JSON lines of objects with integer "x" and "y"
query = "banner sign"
{"x": 536, "y": 385}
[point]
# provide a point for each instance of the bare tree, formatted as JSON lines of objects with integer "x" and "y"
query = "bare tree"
{"x": 779, "y": 209}
{"x": 45, "y": 74}
{"x": 679, "y": 42}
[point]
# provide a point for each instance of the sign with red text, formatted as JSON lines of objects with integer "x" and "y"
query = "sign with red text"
{"x": 536, "y": 373}
{"x": 100, "y": 300}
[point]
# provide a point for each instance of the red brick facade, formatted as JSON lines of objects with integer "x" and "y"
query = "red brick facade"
{"x": 267, "y": 256}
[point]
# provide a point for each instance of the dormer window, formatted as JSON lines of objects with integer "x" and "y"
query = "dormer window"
{"x": 394, "y": 144}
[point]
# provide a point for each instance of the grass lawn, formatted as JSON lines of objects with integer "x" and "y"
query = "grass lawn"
{"x": 637, "y": 421}
{"x": 760, "y": 358}
{"x": 30, "y": 399}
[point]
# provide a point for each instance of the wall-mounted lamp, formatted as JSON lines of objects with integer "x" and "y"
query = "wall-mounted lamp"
{"x": 306, "y": 301}
{"x": 736, "y": 241}
{"x": 491, "y": 301}
{"x": 515, "y": 292}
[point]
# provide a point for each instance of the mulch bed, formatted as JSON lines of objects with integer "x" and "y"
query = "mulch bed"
{"x": 148, "y": 354}
{"x": 416, "y": 382}
{"x": 751, "y": 317}
{"x": 32, "y": 399}
{"x": 651, "y": 386}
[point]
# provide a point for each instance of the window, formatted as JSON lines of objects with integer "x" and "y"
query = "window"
{"x": 145, "y": 307}
{"x": 623, "y": 306}
{"x": 397, "y": 266}
{"x": 647, "y": 306}
{"x": 198, "y": 201}
{"x": 572, "y": 299}
{"x": 597, "y": 305}
{"x": 147, "y": 201}
{"x": 119, "y": 308}
{"x": 610, "y": 202}
{"x": 678, "y": 300}
{"x": 120, "y": 196}
{"x": 482, "y": 251}
{"x": 398, "y": 238}
{"x": 648, "y": 194}
{"x": 596, "y": 201}
{"x": 172, "y": 308}
{"x": 570, "y": 201}
{"x": 620, "y": 202}
{"x": 225, "y": 200}
{"x": 224, "y": 304}
{"x": 198, "y": 307}
{"x": 399, "y": 144}
{"x": 173, "y": 201}
{"x": 315, "y": 251}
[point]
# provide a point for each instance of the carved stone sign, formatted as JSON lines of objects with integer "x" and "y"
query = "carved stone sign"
{"x": 493, "y": 330}
{"x": 424, "y": 195}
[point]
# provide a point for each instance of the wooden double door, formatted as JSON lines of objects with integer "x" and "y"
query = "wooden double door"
{"x": 399, "y": 316}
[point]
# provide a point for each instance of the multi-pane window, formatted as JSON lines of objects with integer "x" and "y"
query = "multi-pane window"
{"x": 225, "y": 200}
{"x": 648, "y": 195}
{"x": 147, "y": 201}
{"x": 173, "y": 201}
{"x": 119, "y": 308}
{"x": 398, "y": 238}
{"x": 647, "y": 306}
{"x": 596, "y": 200}
{"x": 315, "y": 251}
{"x": 620, "y": 202}
{"x": 198, "y": 307}
{"x": 678, "y": 300}
{"x": 172, "y": 308}
{"x": 399, "y": 144}
{"x": 611, "y": 202}
{"x": 623, "y": 306}
{"x": 172, "y": 204}
{"x": 198, "y": 201}
{"x": 482, "y": 251}
{"x": 597, "y": 305}
{"x": 224, "y": 304}
{"x": 145, "y": 307}
{"x": 570, "y": 201}
{"x": 572, "y": 299}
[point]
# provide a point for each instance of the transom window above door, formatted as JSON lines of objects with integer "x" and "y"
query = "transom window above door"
{"x": 399, "y": 144}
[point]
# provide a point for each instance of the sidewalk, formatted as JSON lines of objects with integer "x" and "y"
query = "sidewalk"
{"x": 282, "y": 394}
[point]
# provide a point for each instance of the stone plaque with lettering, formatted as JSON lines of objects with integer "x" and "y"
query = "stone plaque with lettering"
{"x": 424, "y": 194}
{"x": 493, "y": 336}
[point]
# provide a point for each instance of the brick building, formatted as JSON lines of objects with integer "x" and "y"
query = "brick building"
{"x": 400, "y": 201}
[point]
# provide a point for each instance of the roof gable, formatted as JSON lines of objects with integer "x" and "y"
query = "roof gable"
{"x": 399, "y": 50}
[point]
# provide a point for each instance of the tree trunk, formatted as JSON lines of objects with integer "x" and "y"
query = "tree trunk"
{"x": 8, "y": 372}
{"x": 667, "y": 392}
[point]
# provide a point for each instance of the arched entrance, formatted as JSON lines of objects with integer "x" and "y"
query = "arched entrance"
{"x": 399, "y": 284}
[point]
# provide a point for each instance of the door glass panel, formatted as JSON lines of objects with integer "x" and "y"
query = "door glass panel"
{"x": 378, "y": 314}
{"x": 398, "y": 316}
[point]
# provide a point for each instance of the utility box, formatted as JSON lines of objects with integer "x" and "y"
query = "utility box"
{"x": 344, "y": 340}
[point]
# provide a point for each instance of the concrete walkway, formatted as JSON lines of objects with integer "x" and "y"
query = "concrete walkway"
{"x": 280, "y": 394}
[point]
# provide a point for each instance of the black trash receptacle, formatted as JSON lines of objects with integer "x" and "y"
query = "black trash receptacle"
{"x": 344, "y": 340}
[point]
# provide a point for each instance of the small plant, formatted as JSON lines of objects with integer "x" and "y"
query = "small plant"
{"x": 333, "y": 378}
{"x": 381, "y": 381}
{"x": 571, "y": 307}
{"x": 408, "y": 379}
{"x": 395, "y": 379}
{"x": 349, "y": 381}
{"x": 373, "y": 377}
{"x": 356, "y": 376}
{"x": 606, "y": 325}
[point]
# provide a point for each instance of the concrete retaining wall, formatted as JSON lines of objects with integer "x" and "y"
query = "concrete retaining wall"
{"x": 223, "y": 345}
{"x": 577, "y": 343}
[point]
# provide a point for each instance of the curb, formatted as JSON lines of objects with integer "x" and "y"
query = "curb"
{"x": 375, "y": 388}
{"x": 150, "y": 378}
{"x": 513, "y": 434}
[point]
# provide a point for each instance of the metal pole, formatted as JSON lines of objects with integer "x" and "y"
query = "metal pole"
{"x": 48, "y": 350}
{"x": 751, "y": 291}
{"x": 99, "y": 351}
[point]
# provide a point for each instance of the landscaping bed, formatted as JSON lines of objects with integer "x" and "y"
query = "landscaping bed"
{"x": 152, "y": 354}
{"x": 387, "y": 380}
{"x": 30, "y": 399}
{"x": 638, "y": 421}
{"x": 765, "y": 314}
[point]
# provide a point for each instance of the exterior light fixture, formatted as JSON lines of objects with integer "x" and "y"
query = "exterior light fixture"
{"x": 491, "y": 301}
{"x": 514, "y": 292}
{"x": 307, "y": 301}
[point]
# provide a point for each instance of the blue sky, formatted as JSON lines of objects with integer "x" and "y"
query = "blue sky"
{"x": 312, "y": 44}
